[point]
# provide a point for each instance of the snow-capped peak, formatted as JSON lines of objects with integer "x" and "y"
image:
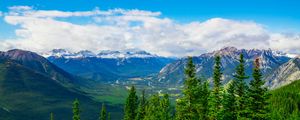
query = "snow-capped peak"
{"x": 110, "y": 54}
{"x": 57, "y": 53}
{"x": 292, "y": 55}
{"x": 279, "y": 53}
{"x": 125, "y": 54}
{"x": 234, "y": 52}
{"x": 84, "y": 53}
{"x": 102, "y": 54}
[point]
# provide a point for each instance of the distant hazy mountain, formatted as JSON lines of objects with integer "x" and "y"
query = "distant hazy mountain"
{"x": 108, "y": 65}
{"x": 131, "y": 53}
{"x": 285, "y": 74}
{"x": 172, "y": 74}
{"x": 32, "y": 87}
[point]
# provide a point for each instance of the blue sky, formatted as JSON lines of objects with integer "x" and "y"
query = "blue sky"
{"x": 274, "y": 15}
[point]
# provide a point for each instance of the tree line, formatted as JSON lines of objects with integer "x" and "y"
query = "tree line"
{"x": 236, "y": 100}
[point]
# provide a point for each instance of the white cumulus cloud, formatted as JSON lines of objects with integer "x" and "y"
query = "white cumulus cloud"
{"x": 119, "y": 29}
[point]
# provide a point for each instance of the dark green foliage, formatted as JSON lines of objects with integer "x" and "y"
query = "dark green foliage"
{"x": 240, "y": 89}
{"x": 158, "y": 108}
{"x": 258, "y": 96}
{"x": 40, "y": 94}
{"x": 51, "y": 116}
{"x": 108, "y": 116}
{"x": 131, "y": 105}
{"x": 285, "y": 101}
{"x": 229, "y": 106}
{"x": 165, "y": 108}
{"x": 153, "y": 109}
{"x": 76, "y": 110}
{"x": 103, "y": 112}
{"x": 142, "y": 107}
{"x": 203, "y": 110}
{"x": 216, "y": 96}
{"x": 187, "y": 106}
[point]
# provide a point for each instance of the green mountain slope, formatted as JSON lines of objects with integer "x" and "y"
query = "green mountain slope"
{"x": 285, "y": 102}
{"x": 26, "y": 93}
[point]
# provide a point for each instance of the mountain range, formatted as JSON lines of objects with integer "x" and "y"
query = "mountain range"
{"x": 108, "y": 65}
{"x": 270, "y": 61}
{"x": 135, "y": 65}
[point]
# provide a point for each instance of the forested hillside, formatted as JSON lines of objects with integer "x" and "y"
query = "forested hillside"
{"x": 285, "y": 102}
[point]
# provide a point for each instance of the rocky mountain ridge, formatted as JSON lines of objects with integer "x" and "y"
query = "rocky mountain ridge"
{"x": 172, "y": 74}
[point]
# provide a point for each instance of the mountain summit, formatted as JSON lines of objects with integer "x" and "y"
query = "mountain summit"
{"x": 39, "y": 64}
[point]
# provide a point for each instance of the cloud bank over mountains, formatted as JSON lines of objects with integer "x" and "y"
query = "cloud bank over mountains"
{"x": 119, "y": 29}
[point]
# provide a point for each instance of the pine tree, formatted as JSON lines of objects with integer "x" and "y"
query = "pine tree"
{"x": 51, "y": 116}
{"x": 187, "y": 106}
{"x": 131, "y": 105}
{"x": 229, "y": 106}
{"x": 204, "y": 101}
{"x": 103, "y": 113}
{"x": 241, "y": 88}
{"x": 165, "y": 108}
{"x": 153, "y": 108}
{"x": 258, "y": 96}
{"x": 76, "y": 110}
{"x": 216, "y": 96}
{"x": 142, "y": 107}
{"x": 108, "y": 116}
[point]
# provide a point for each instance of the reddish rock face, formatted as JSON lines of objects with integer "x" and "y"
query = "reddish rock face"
{"x": 37, "y": 63}
{"x": 17, "y": 54}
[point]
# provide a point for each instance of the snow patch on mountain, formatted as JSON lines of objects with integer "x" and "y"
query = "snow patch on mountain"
{"x": 280, "y": 53}
{"x": 102, "y": 54}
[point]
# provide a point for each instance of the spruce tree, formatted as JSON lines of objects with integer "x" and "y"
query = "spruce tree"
{"x": 131, "y": 105}
{"x": 241, "y": 88}
{"x": 142, "y": 107}
{"x": 204, "y": 101}
{"x": 216, "y": 96}
{"x": 153, "y": 108}
{"x": 103, "y": 112}
{"x": 108, "y": 116}
{"x": 165, "y": 108}
{"x": 76, "y": 110}
{"x": 187, "y": 106}
{"x": 258, "y": 96}
{"x": 229, "y": 106}
{"x": 51, "y": 116}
